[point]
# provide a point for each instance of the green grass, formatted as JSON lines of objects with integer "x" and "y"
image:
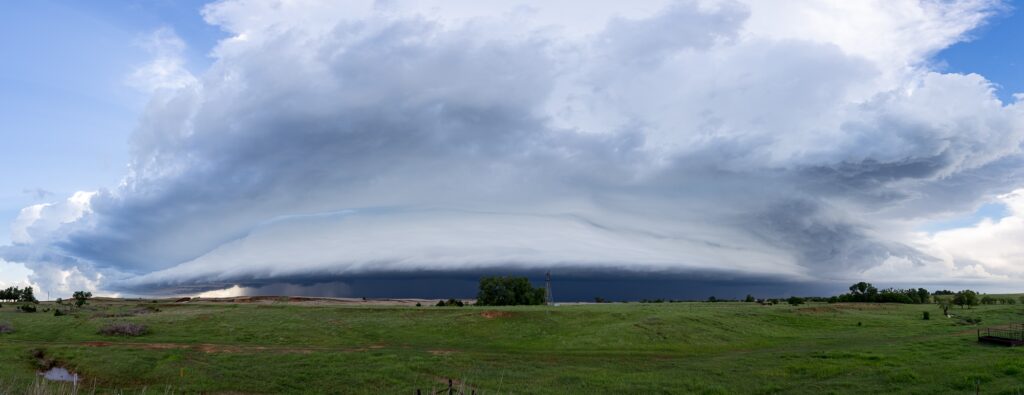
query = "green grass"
{"x": 712, "y": 348}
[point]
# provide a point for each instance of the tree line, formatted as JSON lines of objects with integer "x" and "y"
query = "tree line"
{"x": 865, "y": 292}
{"x": 16, "y": 294}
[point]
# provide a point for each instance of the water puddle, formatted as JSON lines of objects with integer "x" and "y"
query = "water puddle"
{"x": 59, "y": 374}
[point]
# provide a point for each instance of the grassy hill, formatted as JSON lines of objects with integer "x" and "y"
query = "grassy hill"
{"x": 725, "y": 348}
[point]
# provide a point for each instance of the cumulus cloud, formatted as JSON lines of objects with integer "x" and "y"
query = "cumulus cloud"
{"x": 799, "y": 141}
{"x": 991, "y": 247}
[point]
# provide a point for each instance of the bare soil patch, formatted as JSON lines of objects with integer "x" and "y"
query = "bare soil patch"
{"x": 492, "y": 314}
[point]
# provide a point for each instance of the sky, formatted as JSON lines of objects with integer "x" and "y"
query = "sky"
{"x": 663, "y": 148}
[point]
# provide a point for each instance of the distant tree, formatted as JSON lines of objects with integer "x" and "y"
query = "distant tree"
{"x": 27, "y": 296}
{"x": 81, "y": 297}
{"x": 923, "y": 295}
{"x": 712, "y": 299}
{"x": 944, "y": 305}
{"x": 988, "y": 299}
{"x": 863, "y": 292}
{"x": 795, "y": 301}
{"x": 508, "y": 291}
{"x": 965, "y": 298}
{"x": 749, "y": 298}
{"x": 598, "y": 299}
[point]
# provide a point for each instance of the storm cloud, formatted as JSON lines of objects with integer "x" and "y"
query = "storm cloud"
{"x": 330, "y": 141}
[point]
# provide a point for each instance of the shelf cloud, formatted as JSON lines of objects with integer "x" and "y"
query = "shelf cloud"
{"x": 334, "y": 140}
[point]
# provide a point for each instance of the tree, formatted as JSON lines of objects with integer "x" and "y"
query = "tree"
{"x": 944, "y": 305}
{"x": 923, "y": 295}
{"x": 27, "y": 296}
{"x": 508, "y": 291}
{"x": 749, "y": 298}
{"x": 863, "y": 292}
{"x": 966, "y": 298}
{"x": 795, "y": 301}
{"x": 81, "y": 297}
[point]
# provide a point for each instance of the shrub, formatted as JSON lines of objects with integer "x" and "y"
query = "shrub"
{"x": 6, "y": 328}
{"x": 124, "y": 329}
{"x": 795, "y": 301}
{"x": 58, "y": 313}
{"x": 27, "y": 308}
{"x": 926, "y": 316}
{"x": 418, "y": 304}
{"x": 450, "y": 302}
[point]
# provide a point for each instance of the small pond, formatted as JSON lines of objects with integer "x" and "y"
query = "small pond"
{"x": 59, "y": 374}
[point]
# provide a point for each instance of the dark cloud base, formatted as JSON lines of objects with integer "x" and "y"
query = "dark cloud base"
{"x": 567, "y": 286}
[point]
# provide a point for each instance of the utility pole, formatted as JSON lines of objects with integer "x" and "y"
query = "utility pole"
{"x": 547, "y": 290}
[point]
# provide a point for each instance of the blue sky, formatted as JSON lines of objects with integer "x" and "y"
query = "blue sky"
{"x": 68, "y": 115}
{"x": 67, "y": 111}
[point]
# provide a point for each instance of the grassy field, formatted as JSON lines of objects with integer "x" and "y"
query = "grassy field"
{"x": 715, "y": 348}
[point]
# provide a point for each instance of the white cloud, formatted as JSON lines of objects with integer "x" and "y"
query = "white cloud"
{"x": 166, "y": 71}
{"x": 990, "y": 248}
{"x": 42, "y": 220}
{"x": 13, "y": 274}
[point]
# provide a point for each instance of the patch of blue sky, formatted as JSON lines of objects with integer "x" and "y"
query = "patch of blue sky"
{"x": 992, "y": 211}
{"x": 996, "y": 51}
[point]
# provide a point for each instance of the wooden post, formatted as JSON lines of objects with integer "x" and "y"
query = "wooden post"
{"x": 449, "y": 386}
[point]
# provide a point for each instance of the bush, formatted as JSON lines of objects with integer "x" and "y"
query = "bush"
{"x": 795, "y": 301}
{"x": 926, "y": 316}
{"x": 27, "y": 308}
{"x": 124, "y": 329}
{"x": 452, "y": 302}
{"x": 418, "y": 304}
{"x": 58, "y": 313}
{"x": 6, "y": 328}
{"x": 508, "y": 291}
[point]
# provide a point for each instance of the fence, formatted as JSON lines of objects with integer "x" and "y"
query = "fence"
{"x": 1012, "y": 335}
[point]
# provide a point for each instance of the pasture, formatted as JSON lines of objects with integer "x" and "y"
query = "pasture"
{"x": 277, "y": 346}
